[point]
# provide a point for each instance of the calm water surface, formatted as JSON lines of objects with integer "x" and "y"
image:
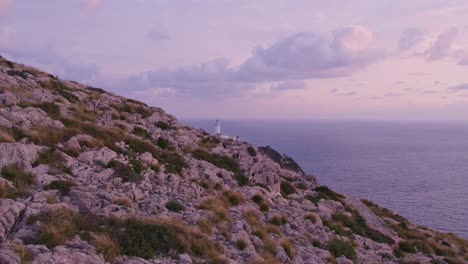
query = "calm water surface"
{"x": 419, "y": 169}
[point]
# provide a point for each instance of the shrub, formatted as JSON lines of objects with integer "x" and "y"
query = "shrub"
{"x": 163, "y": 125}
{"x": 24, "y": 253}
{"x": 126, "y": 173}
{"x": 257, "y": 198}
{"x": 146, "y": 238}
{"x": 105, "y": 245}
{"x": 5, "y": 136}
{"x": 51, "y": 109}
{"x": 219, "y": 207}
{"x": 241, "y": 244}
{"x": 174, "y": 206}
{"x": 205, "y": 226}
{"x": 174, "y": 163}
{"x": 311, "y": 218}
{"x": 163, "y": 143}
{"x": 283, "y": 160}
{"x": 357, "y": 224}
{"x": 58, "y": 227}
{"x": 276, "y": 220}
{"x": 12, "y": 193}
{"x": 63, "y": 186}
{"x": 137, "y": 165}
{"x": 289, "y": 248}
{"x": 406, "y": 247}
{"x": 251, "y": 151}
{"x": 11, "y": 134}
{"x": 15, "y": 173}
{"x": 287, "y": 188}
{"x": 338, "y": 247}
{"x": 209, "y": 142}
{"x": 139, "y": 131}
{"x": 323, "y": 192}
{"x": 223, "y": 162}
{"x": 234, "y": 198}
{"x": 124, "y": 201}
{"x": 264, "y": 207}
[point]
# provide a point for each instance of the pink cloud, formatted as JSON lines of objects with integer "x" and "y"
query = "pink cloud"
{"x": 5, "y": 6}
{"x": 91, "y": 6}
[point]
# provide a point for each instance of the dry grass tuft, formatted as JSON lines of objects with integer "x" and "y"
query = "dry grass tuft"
{"x": 107, "y": 246}
{"x": 124, "y": 201}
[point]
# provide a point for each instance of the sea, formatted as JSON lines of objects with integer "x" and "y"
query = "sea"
{"x": 418, "y": 169}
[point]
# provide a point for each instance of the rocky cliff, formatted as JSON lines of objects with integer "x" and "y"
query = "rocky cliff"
{"x": 91, "y": 177}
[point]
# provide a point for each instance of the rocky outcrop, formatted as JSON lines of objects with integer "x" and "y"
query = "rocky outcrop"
{"x": 106, "y": 179}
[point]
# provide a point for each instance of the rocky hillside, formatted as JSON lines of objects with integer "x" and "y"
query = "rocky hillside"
{"x": 91, "y": 177}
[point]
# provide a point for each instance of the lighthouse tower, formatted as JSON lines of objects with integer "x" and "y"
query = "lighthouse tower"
{"x": 217, "y": 128}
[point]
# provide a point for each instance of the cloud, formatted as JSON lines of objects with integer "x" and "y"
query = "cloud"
{"x": 312, "y": 55}
{"x": 5, "y": 6}
{"x": 410, "y": 38}
{"x": 158, "y": 33}
{"x": 442, "y": 46}
{"x": 288, "y": 85}
{"x": 460, "y": 87}
{"x": 290, "y": 60}
{"x": 91, "y": 6}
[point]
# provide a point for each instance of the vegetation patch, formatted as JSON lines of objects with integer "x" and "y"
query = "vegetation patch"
{"x": 223, "y": 162}
{"x": 283, "y": 160}
{"x": 287, "y": 188}
{"x": 126, "y": 172}
{"x": 163, "y": 125}
{"x": 323, "y": 192}
{"x": 163, "y": 143}
{"x": 139, "y": 237}
{"x": 15, "y": 173}
{"x": 357, "y": 225}
{"x": 139, "y": 131}
{"x": 51, "y": 109}
{"x": 174, "y": 206}
{"x": 338, "y": 248}
{"x": 252, "y": 151}
{"x": 62, "y": 186}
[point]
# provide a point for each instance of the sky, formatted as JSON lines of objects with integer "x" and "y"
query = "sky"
{"x": 255, "y": 59}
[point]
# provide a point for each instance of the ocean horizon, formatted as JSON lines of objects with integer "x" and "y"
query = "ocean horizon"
{"x": 418, "y": 169}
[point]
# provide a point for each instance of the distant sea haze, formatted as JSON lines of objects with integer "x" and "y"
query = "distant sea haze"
{"x": 418, "y": 169}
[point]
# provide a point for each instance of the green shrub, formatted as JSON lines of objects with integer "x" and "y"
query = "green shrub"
{"x": 58, "y": 226}
{"x": 276, "y": 220}
{"x": 257, "y": 198}
{"x": 323, "y": 192}
{"x": 174, "y": 206}
{"x": 63, "y": 186}
{"x": 283, "y": 160}
{"x": 251, "y": 151}
{"x": 137, "y": 165}
{"x": 174, "y": 163}
{"x": 338, "y": 247}
{"x": 223, "y": 162}
{"x": 148, "y": 238}
{"x": 139, "y": 131}
{"x": 358, "y": 225}
{"x": 241, "y": 244}
{"x": 163, "y": 143}
{"x": 51, "y": 109}
{"x": 264, "y": 207}
{"x": 287, "y": 188}
{"x": 234, "y": 198}
{"x": 406, "y": 247}
{"x": 15, "y": 173}
{"x": 163, "y": 125}
{"x": 126, "y": 173}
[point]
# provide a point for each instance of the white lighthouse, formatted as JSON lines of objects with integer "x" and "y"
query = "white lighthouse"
{"x": 218, "y": 128}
